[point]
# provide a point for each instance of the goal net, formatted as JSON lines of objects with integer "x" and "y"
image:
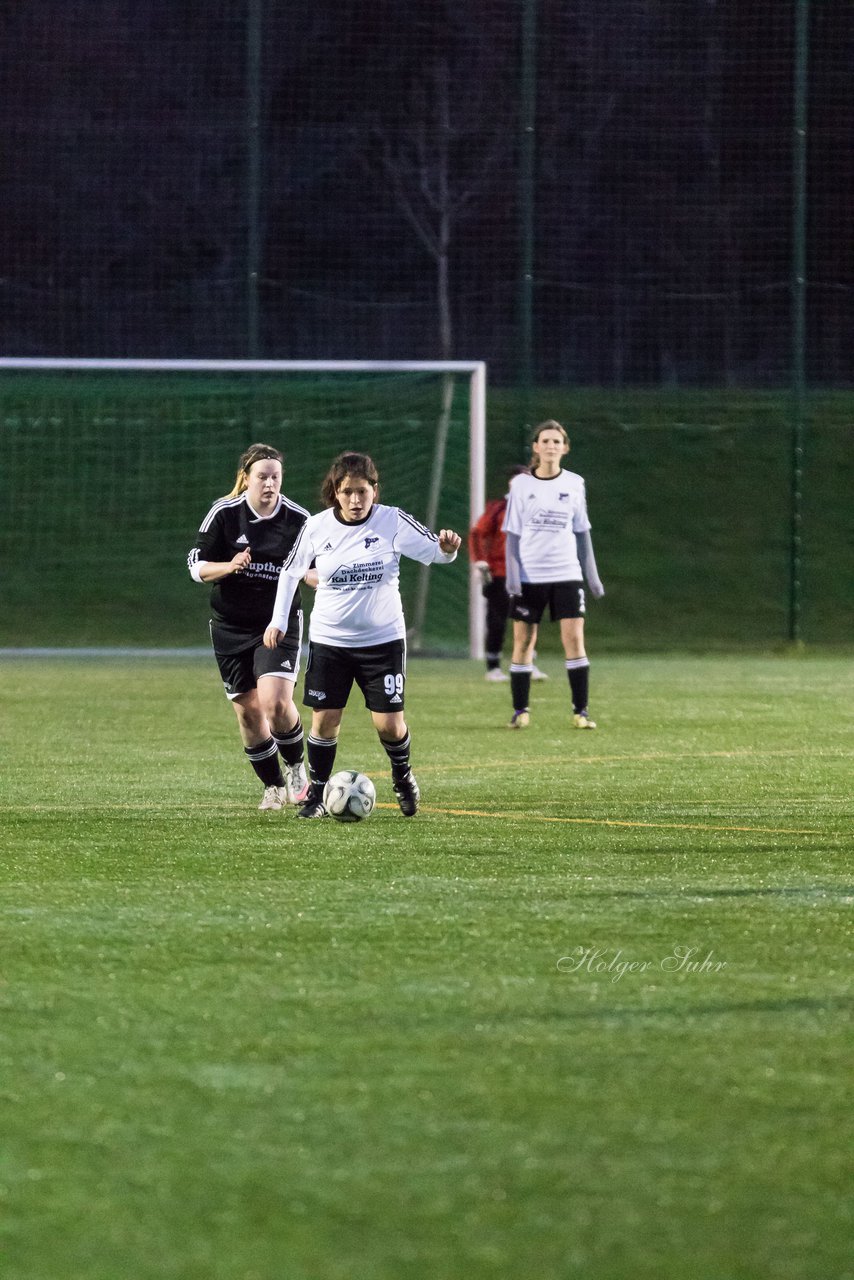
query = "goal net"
{"x": 110, "y": 466}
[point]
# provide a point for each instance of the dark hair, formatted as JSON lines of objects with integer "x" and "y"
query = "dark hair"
{"x": 255, "y": 453}
{"x": 358, "y": 465}
{"x": 519, "y": 470}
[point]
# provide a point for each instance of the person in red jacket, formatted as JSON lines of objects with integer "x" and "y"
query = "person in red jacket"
{"x": 486, "y": 552}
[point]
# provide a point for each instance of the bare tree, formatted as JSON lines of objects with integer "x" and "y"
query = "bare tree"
{"x": 437, "y": 161}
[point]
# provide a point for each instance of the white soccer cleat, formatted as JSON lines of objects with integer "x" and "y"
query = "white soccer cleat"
{"x": 582, "y": 721}
{"x": 273, "y": 798}
{"x": 537, "y": 674}
{"x": 496, "y": 676}
{"x": 296, "y": 783}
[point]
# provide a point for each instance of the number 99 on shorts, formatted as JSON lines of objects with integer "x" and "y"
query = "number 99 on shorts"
{"x": 379, "y": 671}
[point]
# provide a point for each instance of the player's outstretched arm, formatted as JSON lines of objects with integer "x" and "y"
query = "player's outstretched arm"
{"x": 416, "y": 541}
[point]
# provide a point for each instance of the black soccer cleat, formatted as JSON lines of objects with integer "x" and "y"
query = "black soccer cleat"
{"x": 313, "y": 806}
{"x": 408, "y": 794}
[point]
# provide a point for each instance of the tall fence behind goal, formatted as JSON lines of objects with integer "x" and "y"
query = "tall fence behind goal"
{"x": 636, "y": 214}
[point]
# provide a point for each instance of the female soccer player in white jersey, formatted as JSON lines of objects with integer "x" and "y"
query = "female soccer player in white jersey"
{"x": 241, "y": 547}
{"x": 548, "y": 548}
{"x": 357, "y": 630}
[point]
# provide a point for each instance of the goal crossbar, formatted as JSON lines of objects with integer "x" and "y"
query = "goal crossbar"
{"x": 475, "y": 370}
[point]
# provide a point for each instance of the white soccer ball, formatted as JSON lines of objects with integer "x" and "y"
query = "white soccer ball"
{"x": 349, "y": 795}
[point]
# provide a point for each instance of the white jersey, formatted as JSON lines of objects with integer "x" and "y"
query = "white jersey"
{"x": 357, "y": 602}
{"x": 546, "y": 514}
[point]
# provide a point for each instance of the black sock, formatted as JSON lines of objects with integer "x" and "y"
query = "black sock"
{"x": 290, "y": 743}
{"x": 578, "y": 670}
{"x": 264, "y": 758}
{"x": 520, "y": 685}
{"x": 321, "y": 759}
{"x": 493, "y": 661}
{"x": 398, "y": 754}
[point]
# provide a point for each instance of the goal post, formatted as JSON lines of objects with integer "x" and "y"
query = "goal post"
{"x": 137, "y": 448}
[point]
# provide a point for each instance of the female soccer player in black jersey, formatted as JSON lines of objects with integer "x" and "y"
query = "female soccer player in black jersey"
{"x": 357, "y": 631}
{"x": 242, "y": 544}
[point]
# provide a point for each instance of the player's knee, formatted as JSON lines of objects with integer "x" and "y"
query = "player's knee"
{"x": 281, "y": 711}
{"x": 391, "y": 725}
{"x": 253, "y": 722}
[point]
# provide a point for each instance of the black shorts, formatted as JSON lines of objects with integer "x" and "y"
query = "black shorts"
{"x": 496, "y": 594}
{"x": 241, "y": 671}
{"x": 379, "y": 670}
{"x": 565, "y": 600}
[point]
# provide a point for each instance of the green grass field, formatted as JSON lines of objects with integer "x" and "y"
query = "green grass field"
{"x": 587, "y": 1016}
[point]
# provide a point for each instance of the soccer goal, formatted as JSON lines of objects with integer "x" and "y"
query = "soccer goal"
{"x": 111, "y": 464}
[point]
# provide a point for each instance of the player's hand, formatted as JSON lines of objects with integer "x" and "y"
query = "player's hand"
{"x": 311, "y": 579}
{"x": 596, "y": 589}
{"x": 272, "y": 636}
{"x": 241, "y": 561}
{"x": 449, "y": 541}
{"x": 484, "y": 571}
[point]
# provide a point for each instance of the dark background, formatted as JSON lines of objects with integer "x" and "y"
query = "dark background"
{"x": 385, "y": 216}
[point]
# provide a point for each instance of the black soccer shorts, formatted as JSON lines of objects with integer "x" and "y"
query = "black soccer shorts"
{"x": 241, "y": 671}
{"x": 564, "y": 599}
{"x": 379, "y": 670}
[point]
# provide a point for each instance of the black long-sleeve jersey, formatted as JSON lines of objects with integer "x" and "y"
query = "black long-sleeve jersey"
{"x": 242, "y": 603}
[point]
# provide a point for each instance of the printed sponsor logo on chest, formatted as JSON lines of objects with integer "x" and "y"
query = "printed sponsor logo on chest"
{"x": 366, "y": 573}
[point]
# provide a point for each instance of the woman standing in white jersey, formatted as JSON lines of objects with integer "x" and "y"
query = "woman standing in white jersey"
{"x": 357, "y": 630}
{"x": 548, "y": 550}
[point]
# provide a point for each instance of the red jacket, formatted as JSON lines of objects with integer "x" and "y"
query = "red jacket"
{"x": 486, "y": 541}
